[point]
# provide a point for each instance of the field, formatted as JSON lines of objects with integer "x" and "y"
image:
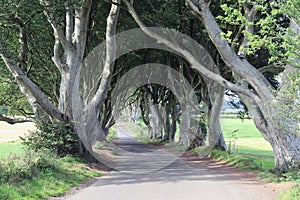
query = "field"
{"x": 243, "y": 138}
{"x": 13, "y": 132}
{"x": 10, "y": 137}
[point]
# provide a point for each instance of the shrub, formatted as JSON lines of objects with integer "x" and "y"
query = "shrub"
{"x": 58, "y": 137}
{"x": 15, "y": 168}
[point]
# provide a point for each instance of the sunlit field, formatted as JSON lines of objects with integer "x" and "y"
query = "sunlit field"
{"x": 10, "y": 137}
{"x": 13, "y": 132}
{"x": 245, "y": 137}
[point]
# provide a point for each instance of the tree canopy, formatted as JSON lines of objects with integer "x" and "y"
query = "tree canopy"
{"x": 250, "y": 48}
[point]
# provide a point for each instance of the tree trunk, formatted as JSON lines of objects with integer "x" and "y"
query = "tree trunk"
{"x": 155, "y": 122}
{"x": 272, "y": 124}
{"x": 167, "y": 126}
{"x": 173, "y": 124}
{"x": 280, "y": 133}
{"x": 216, "y": 96}
{"x": 185, "y": 124}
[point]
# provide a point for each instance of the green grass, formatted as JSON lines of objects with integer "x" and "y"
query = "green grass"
{"x": 112, "y": 134}
{"x": 291, "y": 194}
{"x": 249, "y": 162}
{"x": 69, "y": 172}
{"x": 49, "y": 182}
{"x": 246, "y": 139}
{"x": 8, "y": 148}
{"x": 245, "y": 128}
{"x": 252, "y": 152}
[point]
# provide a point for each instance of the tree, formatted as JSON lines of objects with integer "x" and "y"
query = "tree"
{"x": 69, "y": 49}
{"x": 260, "y": 96}
{"x": 67, "y": 31}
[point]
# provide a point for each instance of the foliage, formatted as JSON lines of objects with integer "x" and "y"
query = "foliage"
{"x": 57, "y": 136}
{"x": 63, "y": 174}
{"x": 232, "y": 141}
{"x": 270, "y": 27}
{"x": 12, "y": 101}
{"x": 291, "y": 96}
{"x": 112, "y": 134}
{"x": 38, "y": 41}
{"x": 291, "y": 194}
{"x": 14, "y": 168}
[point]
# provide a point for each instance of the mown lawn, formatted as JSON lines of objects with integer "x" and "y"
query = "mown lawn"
{"x": 245, "y": 138}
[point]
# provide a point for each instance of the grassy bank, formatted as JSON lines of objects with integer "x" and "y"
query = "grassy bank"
{"x": 31, "y": 175}
{"x": 262, "y": 164}
{"x": 291, "y": 194}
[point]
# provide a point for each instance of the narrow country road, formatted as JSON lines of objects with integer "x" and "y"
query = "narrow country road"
{"x": 145, "y": 173}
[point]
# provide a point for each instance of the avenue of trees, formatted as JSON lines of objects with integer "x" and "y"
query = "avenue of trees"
{"x": 250, "y": 48}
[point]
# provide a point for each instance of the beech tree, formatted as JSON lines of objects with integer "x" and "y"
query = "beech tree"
{"x": 234, "y": 33}
{"x": 277, "y": 128}
{"x": 69, "y": 22}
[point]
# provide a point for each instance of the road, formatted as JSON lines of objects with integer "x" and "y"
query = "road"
{"x": 145, "y": 173}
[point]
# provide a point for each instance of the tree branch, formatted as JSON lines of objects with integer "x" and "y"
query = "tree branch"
{"x": 189, "y": 57}
{"x": 241, "y": 67}
{"x": 112, "y": 20}
{"x": 14, "y": 120}
{"x": 32, "y": 88}
{"x": 80, "y": 28}
{"x": 69, "y": 20}
{"x": 23, "y": 43}
{"x": 56, "y": 54}
{"x": 58, "y": 32}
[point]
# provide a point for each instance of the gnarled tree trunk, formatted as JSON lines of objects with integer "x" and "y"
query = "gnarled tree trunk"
{"x": 285, "y": 141}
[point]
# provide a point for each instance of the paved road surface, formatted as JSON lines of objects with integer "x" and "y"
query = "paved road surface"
{"x": 145, "y": 174}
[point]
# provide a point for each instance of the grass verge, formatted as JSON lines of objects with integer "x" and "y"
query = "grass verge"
{"x": 49, "y": 182}
{"x": 250, "y": 162}
{"x": 291, "y": 194}
{"x": 112, "y": 134}
{"x": 27, "y": 175}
